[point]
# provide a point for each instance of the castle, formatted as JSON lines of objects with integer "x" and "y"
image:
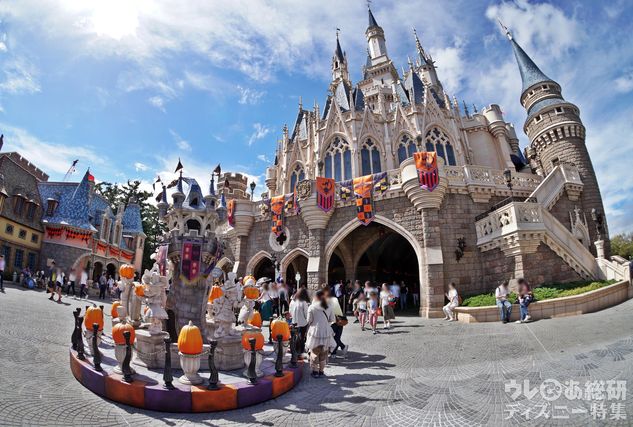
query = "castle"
{"x": 496, "y": 212}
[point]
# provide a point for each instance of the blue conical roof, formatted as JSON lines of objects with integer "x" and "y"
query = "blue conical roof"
{"x": 531, "y": 74}
{"x": 372, "y": 20}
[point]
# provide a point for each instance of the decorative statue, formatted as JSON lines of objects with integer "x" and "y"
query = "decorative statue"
{"x": 156, "y": 298}
{"x": 224, "y": 307}
{"x": 248, "y": 302}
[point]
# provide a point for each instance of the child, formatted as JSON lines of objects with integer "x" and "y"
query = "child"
{"x": 525, "y": 298}
{"x": 373, "y": 306}
{"x": 361, "y": 306}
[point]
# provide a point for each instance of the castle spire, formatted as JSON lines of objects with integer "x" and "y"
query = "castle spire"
{"x": 376, "y": 40}
{"x": 424, "y": 58}
{"x": 372, "y": 20}
{"x": 339, "y": 62}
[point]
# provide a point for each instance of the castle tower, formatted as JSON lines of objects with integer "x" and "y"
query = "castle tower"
{"x": 339, "y": 64}
{"x": 376, "y": 40}
{"x": 555, "y": 131}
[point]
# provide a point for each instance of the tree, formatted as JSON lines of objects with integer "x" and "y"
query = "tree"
{"x": 152, "y": 227}
{"x": 622, "y": 244}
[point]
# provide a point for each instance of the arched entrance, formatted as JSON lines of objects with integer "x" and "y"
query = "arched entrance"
{"x": 111, "y": 270}
{"x": 264, "y": 268}
{"x": 295, "y": 262}
{"x": 336, "y": 269}
{"x": 97, "y": 270}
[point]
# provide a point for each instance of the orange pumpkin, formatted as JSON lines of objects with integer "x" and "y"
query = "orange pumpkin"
{"x": 255, "y": 319}
{"x": 280, "y": 327}
{"x": 259, "y": 340}
{"x": 216, "y": 292}
{"x": 114, "y": 311}
{"x": 93, "y": 315}
{"x": 139, "y": 290}
{"x": 117, "y": 333}
{"x": 126, "y": 271}
{"x": 250, "y": 292}
{"x": 190, "y": 339}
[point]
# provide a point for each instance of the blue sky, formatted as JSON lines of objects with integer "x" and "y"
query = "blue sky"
{"x": 129, "y": 86}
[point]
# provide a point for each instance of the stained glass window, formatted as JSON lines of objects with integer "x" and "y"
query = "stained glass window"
{"x": 370, "y": 158}
{"x": 338, "y": 160}
{"x": 437, "y": 140}
{"x": 296, "y": 176}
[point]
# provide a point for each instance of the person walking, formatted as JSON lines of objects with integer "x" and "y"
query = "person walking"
{"x": 404, "y": 293}
{"x": 3, "y": 264}
{"x": 361, "y": 307}
{"x": 501, "y": 296}
{"x": 266, "y": 303}
{"x": 71, "y": 279}
{"x": 373, "y": 306}
{"x": 299, "y": 311}
{"x": 102, "y": 286}
{"x": 453, "y": 301}
{"x": 340, "y": 320}
{"x": 395, "y": 291}
{"x": 525, "y": 299}
{"x": 110, "y": 286}
{"x": 320, "y": 337}
{"x": 353, "y": 299}
{"x": 387, "y": 301}
{"x": 83, "y": 284}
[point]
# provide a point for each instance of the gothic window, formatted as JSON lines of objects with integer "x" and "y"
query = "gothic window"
{"x": 18, "y": 205}
{"x": 338, "y": 160}
{"x": 406, "y": 148}
{"x": 438, "y": 141}
{"x": 370, "y": 158}
{"x": 296, "y": 176}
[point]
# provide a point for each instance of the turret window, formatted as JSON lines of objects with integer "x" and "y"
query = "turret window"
{"x": 406, "y": 148}
{"x": 438, "y": 141}
{"x": 338, "y": 160}
{"x": 370, "y": 158}
{"x": 296, "y": 176}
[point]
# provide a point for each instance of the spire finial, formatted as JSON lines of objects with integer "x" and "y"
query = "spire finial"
{"x": 505, "y": 29}
{"x": 300, "y": 103}
{"x": 421, "y": 53}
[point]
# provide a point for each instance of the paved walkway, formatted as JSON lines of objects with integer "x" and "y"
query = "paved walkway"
{"x": 423, "y": 372}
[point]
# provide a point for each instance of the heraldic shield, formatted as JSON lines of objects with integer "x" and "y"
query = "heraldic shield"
{"x": 325, "y": 189}
{"x": 426, "y": 165}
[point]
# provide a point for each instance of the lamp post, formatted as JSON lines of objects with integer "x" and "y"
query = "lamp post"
{"x": 507, "y": 175}
{"x": 298, "y": 279}
{"x": 253, "y": 185}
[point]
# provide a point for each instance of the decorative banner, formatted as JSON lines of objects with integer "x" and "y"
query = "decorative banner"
{"x": 290, "y": 204}
{"x": 231, "y": 212}
{"x": 277, "y": 214}
{"x": 426, "y": 165}
{"x": 363, "y": 187}
{"x": 345, "y": 192}
{"x": 381, "y": 182}
{"x": 325, "y": 193}
{"x": 190, "y": 261}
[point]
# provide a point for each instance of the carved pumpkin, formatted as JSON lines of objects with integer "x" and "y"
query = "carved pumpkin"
{"x": 259, "y": 340}
{"x": 190, "y": 339}
{"x": 255, "y": 319}
{"x": 280, "y": 327}
{"x": 139, "y": 290}
{"x": 114, "y": 312}
{"x": 117, "y": 333}
{"x": 250, "y": 292}
{"x": 93, "y": 315}
{"x": 249, "y": 281}
{"x": 216, "y": 292}
{"x": 126, "y": 271}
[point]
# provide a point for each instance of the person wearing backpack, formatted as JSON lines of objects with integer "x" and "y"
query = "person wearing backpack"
{"x": 453, "y": 301}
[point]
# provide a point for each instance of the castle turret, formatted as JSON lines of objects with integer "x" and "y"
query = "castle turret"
{"x": 555, "y": 130}
{"x": 339, "y": 64}
{"x": 376, "y": 41}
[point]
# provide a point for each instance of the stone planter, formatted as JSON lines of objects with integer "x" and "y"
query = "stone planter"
{"x": 190, "y": 364}
{"x": 258, "y": 362}
{"x": 119, "y": 355}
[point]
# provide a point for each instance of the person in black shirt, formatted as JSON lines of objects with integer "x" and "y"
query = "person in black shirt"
{"x": 353, "y": 298}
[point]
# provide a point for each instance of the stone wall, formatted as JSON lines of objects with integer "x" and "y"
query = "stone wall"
{"x": 64, "y": 256}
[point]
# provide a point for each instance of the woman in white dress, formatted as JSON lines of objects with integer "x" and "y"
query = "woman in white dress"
{"x": 320, "y": 340}
{"x": 299, "y": 312}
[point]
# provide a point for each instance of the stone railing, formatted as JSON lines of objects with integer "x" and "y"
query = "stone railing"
{"x": 483, "y": 182}
{"x": 563, "y": 177}
{"x": 510, "y": 218}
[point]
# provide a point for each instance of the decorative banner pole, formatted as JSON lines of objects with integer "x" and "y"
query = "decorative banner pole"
{"x": 96, "y": 354}
{"x": 279, "y": 363}
{"x": 77, "y": 331}
{"x": 127, "y": 370}
{"x": 251, "y": 374}
{"x": 80, "y": 341}
{"x": 293, "y": 346}
{"x": 213, "y": 375}
{"x": 167, "y": 376}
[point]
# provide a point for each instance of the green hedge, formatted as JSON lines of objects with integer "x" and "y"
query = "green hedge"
{"x": 544, "y": 292}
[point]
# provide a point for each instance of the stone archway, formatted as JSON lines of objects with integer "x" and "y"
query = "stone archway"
{"x": 264, "y": 268}
{"x": 97, "y": 270}
{"x": 111, "y": 269}
{"x": 296, "y": 261}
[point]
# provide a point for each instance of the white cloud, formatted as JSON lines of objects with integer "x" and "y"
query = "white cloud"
{"x": 20, "y": 76}
{"x": 250, "y": 96}
{"x": 624, "y": 83}
{"x": 263, "y": 158}
{"x": 140, "y": 167}
{"x": 157, "y": 102}
{"x": 259, "y": 131}
{"x": 180, "y": 142}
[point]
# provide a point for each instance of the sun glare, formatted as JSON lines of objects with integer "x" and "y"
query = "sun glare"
{"x": 115, "y": 18}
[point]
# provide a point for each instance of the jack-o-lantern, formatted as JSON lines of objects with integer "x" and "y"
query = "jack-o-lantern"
{"x": 216, "y": 292}
{"x": 280, "y": 327}
{"x": 126, "y": 271}
{"x": 250, "y": 292}
{"x": 117, "y": 333}
{"x": 259, "y": 340}
{"x": 255, "y": 319}
{"x": 114, "y": 312}
{"x": 190, "y": 339}
{"x": 93, "y": 315}
{"x": 139, "y": 290}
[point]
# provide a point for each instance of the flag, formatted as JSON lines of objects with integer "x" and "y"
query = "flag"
{"x": 381, "y": 182}
{"x": 179, "y": 166}
{"x": 161, "y": 259}
{"x": 290, "y": 203}
{"x": 155, "y": 181}
{"x": 73, "y": 166}
{"x": 231, "y": 212}
{"x": 1, "y": 141}
{"x": 345, "y": 191}
{"x": 325, "y": 193}
{"x": 90, "y": 177}
{"x": 173, "y": 183}
{"x": 217, "y": 169}
{"x": 158, "y": 197}
{"x": 426, "y": 165}
{"x": 190, "y": 261}
{"x": 277, "y": 214}
{"x": 364, "y": 202}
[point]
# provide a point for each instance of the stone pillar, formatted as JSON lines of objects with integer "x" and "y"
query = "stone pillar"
{"x": 599, "y": 248}
{"x": 316, "y": 220}
{"x": 432, "y": 271}
{"x": 316, "y": 262}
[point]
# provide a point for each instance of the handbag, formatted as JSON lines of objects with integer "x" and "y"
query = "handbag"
{"x": 379, "y": 312}
{"x": 341, "y": 320}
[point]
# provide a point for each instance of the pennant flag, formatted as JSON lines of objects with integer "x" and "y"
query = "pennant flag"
{"x": 381, "y": 182}
{"x": 158, "y": 197}
{"x": 345, "y": 192}
{"x": 325, "y": 193}
{"x": 91, "y": 177}
{"x": 190, "y": 261}
{"x": 364, "y": 202}
{"x": 155, "y": 181}
{"x": 426, "y": 165}
{"x": 231, "y": 212}
{"x": 277, "y": 214}
{"x": 173, "y": 183}
{"x": 179, "y": 166}
{"x": 1, "y": 141}
{"x": 290, "y": 204}
{"x": 217, "y": 170}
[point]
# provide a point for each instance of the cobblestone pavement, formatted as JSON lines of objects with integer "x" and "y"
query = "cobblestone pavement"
{"x": 423, "y": 372}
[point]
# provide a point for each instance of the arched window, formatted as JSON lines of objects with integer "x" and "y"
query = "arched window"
{"x": 438, "y": 141}
{"x": 296, "y": 176}
{"x": 406, "y": 148}
{"x": 369, "y": 158}
{"x": 338, "y": 160}
{"x": 192, "y": 224}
